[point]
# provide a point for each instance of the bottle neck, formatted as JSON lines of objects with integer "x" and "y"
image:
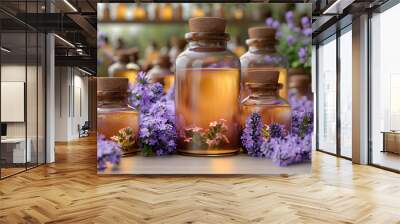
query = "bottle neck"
{"x": 111, "y": 99}
{"x": 203, "y": 41}
{"x": 265, "y": 48}
{"x": 264, "y": 93}
{"x": 261, "y": 45}
{"x": 208, "y": 45}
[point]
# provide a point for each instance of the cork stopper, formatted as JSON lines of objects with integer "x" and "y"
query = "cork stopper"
{"x": 207, "y": 24}
{"x": 124, "y": 55}
{"x": 112, "y": 84}
{"x": 262, "y": 32}
{"x": 263, "y": 76}
{"x": 296, "y": 81}
{"x": 163, "y": 61}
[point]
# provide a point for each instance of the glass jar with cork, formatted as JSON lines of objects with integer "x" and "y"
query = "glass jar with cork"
{"x": 207, "y": 91}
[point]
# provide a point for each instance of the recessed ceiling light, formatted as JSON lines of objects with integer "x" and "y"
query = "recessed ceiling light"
{"x": 64, "y": 40}
{"x": 5, "y": 49}
{"x": 70, "y": 5}
{"x": 84, "y": 71}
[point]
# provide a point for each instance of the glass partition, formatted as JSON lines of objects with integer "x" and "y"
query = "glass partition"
{"x": 22, "y": 77}
{"x": 327, "y": 96}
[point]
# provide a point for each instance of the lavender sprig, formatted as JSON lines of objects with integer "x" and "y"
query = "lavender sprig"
{"x": 252, "y": 137}
{"x": 107, "y": 151}
{"x": 157, "y": 130}
{"x": 144, "y": 94}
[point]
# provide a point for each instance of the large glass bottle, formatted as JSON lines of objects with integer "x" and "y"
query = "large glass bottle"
{"x": 207, "y": 91}
{"x": 262, "y": 56}
{"x": 113, "y": 112}
{"x": 265, "y": 100}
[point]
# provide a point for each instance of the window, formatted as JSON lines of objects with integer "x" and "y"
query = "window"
{"x": 346, "y": 93}
{"x": 385, "y": 89}
{"x": 327, "y": 96}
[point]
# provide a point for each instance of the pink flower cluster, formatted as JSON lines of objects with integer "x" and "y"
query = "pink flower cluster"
{"x": 214, "y": 136}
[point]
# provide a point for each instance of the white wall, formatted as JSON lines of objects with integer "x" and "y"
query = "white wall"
{"x": 71, "y": 102}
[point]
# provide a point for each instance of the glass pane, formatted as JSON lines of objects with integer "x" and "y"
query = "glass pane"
{"x": 13, "y": 87}
{"x": 41, "y": 99}
{"x": 346, "y": 94}
{"x": 31, "y": 98}
{"x": 385, "y": 89}
{"x": 327, "y": 97}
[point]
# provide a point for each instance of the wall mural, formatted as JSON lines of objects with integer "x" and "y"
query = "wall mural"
{"x": 200, "y": 100}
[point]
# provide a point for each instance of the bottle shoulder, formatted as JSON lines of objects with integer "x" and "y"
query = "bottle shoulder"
{"x": 263, "y": 58}
{"x": 267, "y": 101}
{"x": 115, "y": 108}
{"x": 207, "y": 59}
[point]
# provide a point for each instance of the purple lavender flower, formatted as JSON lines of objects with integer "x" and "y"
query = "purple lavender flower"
{"x": 252, "y": 137}
{"x": 276, "y": 130}
{"x": 144, "y": 94}
{"x": 107, "y": 151}
{"x": 268, "y": 58}
{"x": 289, "y": 16}
{"x": 302, "y": 115}
{"x": 276, "y": 24}
{"x": 269, "y": 21}
{"x": 292, "y": 149}
{"x": 157, "y": 132}
{"x": 302, "y": 53}
{"x": 307, "y": 32}
{"x": 290, "y": 40}
{"x": 305, "y": 21}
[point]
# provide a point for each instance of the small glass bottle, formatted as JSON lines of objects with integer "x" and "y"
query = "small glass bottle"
{"x": 162, "y": 73}
{"x": 106, "y": 13}
{"x": 300, "y": 86}
{"x": 198, "y": 11}
{"x": 262, "y": 55}
{"x": 207, "y": 91}
{"x": 139, "y": 13}
{"x": 265, "y": 100}
{"x": 237, "y": 12}
{"x": 123, "y": 68}
{"x": 167, "y": 12}
{"x": 113, "y": 112}
{"x": 121, "y": 12}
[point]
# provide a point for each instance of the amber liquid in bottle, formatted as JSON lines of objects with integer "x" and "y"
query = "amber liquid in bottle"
{"x": 121, "y": 12}
{"x": 267, "y": 103}
{"x": 111, "y": 120}
{"x": 207, "y": 95}
{"x": 113, "y": 112}
{"x": 130, "y": 74}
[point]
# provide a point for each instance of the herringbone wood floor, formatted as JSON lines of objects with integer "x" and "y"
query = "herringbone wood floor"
{"x": 70, "y": 191}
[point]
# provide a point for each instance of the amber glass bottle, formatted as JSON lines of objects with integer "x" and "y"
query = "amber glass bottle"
{"x": 265, "y": 100}
{"x": 139, "y": 13}
{"x": 113, "y": 112}
{"x": 300, "y": 86}
{"x": 207, "y": 91}
{"x": 162, "y": 73}
{"x": 166, "y": 12}
{"x": 262, "y": 56}
{"x": 123, "y": 68}
{"x": 121, "y": 12}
